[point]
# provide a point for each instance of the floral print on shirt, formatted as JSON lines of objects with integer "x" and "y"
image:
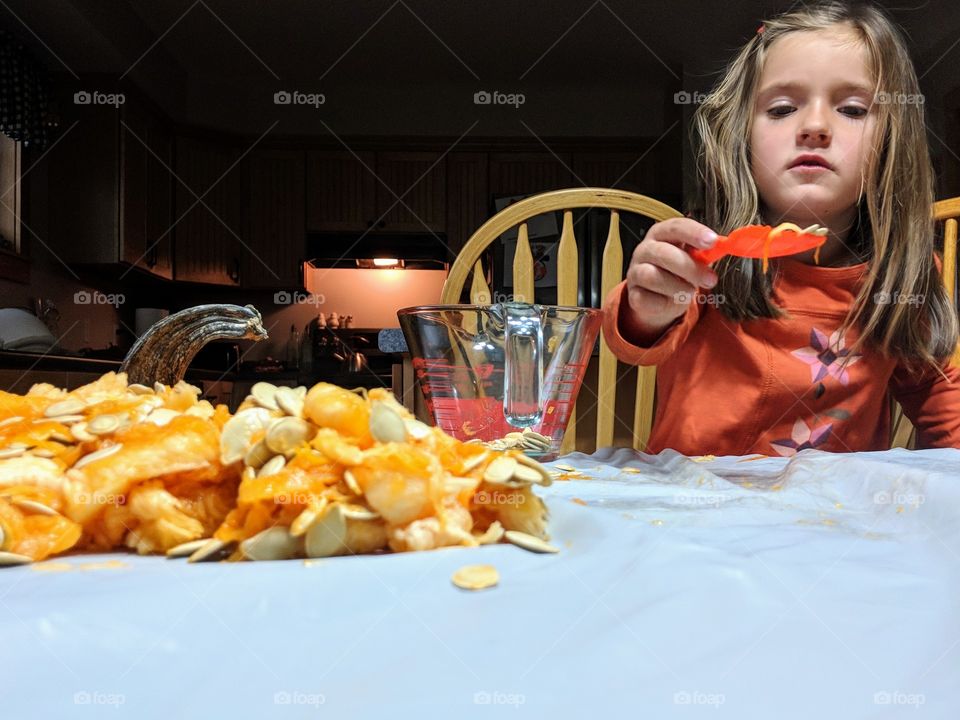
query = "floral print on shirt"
{"x": 827, "y": 356}
{"x": 802, "y": 437}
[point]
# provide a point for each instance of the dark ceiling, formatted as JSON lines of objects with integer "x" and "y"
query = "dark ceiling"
{"x": 197, "y": 57}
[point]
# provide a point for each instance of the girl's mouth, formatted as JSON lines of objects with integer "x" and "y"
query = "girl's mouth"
{"x": 810, "y": 164}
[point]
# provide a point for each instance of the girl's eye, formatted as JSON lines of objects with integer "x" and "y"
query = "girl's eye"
{"x": 854, "y": 111}
{"x": 780, "y": 111}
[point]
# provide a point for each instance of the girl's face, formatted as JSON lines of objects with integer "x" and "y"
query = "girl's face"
{"x": 813, "y": 128}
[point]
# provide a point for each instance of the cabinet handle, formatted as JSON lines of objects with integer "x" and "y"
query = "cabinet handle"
{"x": 235, "y": 273}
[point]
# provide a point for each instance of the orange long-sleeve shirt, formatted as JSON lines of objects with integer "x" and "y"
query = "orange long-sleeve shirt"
{"x": 778, "y": 386}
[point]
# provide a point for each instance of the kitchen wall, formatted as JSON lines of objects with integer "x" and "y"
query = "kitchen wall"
{"x": 371, "y": 296}
{"x": 86, "y": 319}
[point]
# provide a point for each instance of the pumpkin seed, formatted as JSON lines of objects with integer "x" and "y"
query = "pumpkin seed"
{"x": 289, "y": 401}
{"x": 162, "y": 416}
{"x": 257, "y": 455}
{"x": 455, "y": 484}
{"x": 212, "y": 549}
{"x": 285, "y": 435}
{"x": 184, "y": 386}
{"x": 71, "y": 406}
{"x": 274, "y": 543}
{"x": 138, "y": 389}
{"x": 417, "y": 430}
{"x": 66, "y": 419}
{"x": 526, "y": 475}
{"x": 352, "y": 483}
{"x": 386, "y": 425}
{"x": 301, "y": 390}
{"x": 11, "y": 452}
{"x": 501, "y": 469}
{"x": 326, "y": 536}
{"x": 305, "y": 519}
{"x": 9, "y": 559}
{"x": 529, "y": 542}
{"x": 80, "y": 434}
{"x": 541, "y": 470}
{"x": 3, "y": 537}
{"x": 264, "y": 394}
{"x": 272, "y": 466}
{"x": 10, "y": 420}
{"x": 159, "y": 387}
{"x": 474, "y": 460}
{"x": 237, "y": 434}
{"x": 43, "y": 453}
{"x": 476, "y": 577}
{"x": 492, "y": 534}
{"x": 186, "y": 549}
{"x": 98, "y": 455}
{"x": 358, "y": 512}
{"x": 203, "y": 410}
{"x": 33, "y": 506}
{"x": 103, "y": 424}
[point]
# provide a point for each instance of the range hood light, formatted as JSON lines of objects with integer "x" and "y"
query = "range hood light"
{"x": 380, "y": 263}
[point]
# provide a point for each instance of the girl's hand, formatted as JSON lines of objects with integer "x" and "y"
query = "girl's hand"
{"x": 662, "y": 279}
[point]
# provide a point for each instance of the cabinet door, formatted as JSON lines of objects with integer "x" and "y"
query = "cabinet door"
{"x": 276, "y": 241}
{"x": 468, "y": 198}
{"x": 134, "y": 202}
{"x": 145, "y": 188}
{"x": 84, "y": 186}
{"x": 529, "y": 173}
{"x": 418, "y": 179}
{"x": 647, "y": 170}
{"x": 160, "y": 200}
{"x": 210, "y": 191}
{"x": 340, "y": 192}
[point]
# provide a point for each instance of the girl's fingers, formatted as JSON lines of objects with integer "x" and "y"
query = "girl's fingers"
{"x": 657, "y": 280}
{"x": 683, "y": 231}
{"x": 647, "y": 302}
{"x": 676, "y": 261}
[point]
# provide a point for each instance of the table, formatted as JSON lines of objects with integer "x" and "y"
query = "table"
{"x": 820, "y": 586}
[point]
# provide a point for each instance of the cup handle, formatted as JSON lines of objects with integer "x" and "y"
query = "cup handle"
{"x": 523, "y": 350}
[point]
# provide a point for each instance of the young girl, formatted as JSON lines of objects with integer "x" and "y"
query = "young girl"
{"x": 817, "y": 120}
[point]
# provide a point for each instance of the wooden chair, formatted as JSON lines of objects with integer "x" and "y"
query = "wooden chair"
{"x": 516, "y": 215}
{"x": 948, "y": 211}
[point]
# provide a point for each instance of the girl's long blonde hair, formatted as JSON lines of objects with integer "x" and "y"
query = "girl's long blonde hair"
{"x": 894, "y": 232}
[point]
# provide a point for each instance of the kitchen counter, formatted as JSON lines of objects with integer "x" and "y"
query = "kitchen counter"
{"x": 29, "y": 361}
{"x": 391, "y": 340}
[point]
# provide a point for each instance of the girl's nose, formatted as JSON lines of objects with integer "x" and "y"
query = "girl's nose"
{"x": 814, "y": 128}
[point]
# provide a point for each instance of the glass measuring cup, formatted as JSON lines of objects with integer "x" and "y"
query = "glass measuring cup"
{"x": 490, "y": 370}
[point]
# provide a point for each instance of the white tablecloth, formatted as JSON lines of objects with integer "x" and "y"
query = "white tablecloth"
{"x": 825, "y": 586}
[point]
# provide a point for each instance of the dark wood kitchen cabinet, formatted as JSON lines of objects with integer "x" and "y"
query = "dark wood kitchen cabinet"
{"x": 276, "y": 237}
{"x": 382, "y": 191}
{"x": 111, "y": 180}
{"x": 468, "y": 199}
{"x": 411, "y": 196}
{"x": 649, "y": 170}
{"x": 210, "y": 195}
{"x": 146, "y": 189}
{"x": 341, "y": 192}
{"x": 526, "y": 173}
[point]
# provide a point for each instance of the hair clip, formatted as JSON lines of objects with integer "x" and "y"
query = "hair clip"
{"x": 760, "y": 29}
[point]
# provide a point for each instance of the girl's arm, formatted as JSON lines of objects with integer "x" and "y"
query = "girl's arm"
{"x": 632, "y": 348}
{"x": 932, "y": 403}
{"x": 650, "y": 313}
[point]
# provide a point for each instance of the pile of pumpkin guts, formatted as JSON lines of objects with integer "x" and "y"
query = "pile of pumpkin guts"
{"x": 293, "y": 473}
